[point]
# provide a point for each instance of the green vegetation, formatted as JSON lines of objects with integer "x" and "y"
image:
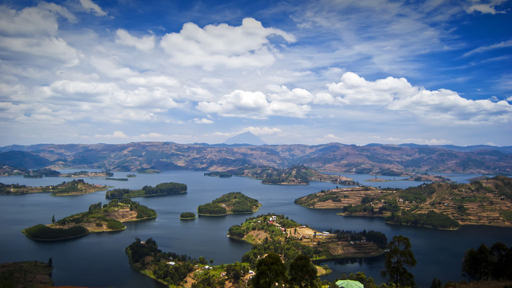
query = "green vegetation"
{"x": 219, "y": 174}
{"x": 231, "y": 203}
{"x": 116, "y": 179}
{"x": 75, "y": 187}
{"x": 41, "y": 232}
{"x": 399, "y": 259}
{"x": 98, "y": 218}
{"x": 188, "y": 215}
{"x": 148, "y": 171}
{"x": 488, "y": 264}
{"x": 430, "y": 219}
{"x": 26, "y": 274}
{"x": 39, "y": 173}
{"x": 159, "y": 190}
{"x": 297, "y": 174}
{"x": 131, "y": 175}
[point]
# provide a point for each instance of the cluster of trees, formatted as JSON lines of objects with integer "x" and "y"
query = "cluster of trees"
{"x": 211, "y": 209}
{"x": 159, "y": 190}
{"x": 431, "y": 219}
{"x": 288, "y": 248}
{"x": 488, "y": 264}
{"x": 311, "y": 199}
{"x": 240, "y": 202}
{"x": 187, "y": 215}
{"x": 6, "y": 189}
{"x": 39, "y": 173}
{"x": 43, "y": 232}
{"x": 376, "y": 237}
{"x": 219, "y": 174}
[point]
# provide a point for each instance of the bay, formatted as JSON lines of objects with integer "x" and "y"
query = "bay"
{"x": 99, "y": 260}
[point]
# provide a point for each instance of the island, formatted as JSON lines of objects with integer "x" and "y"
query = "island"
{"x": 98, "y": 218}
{"x": 148, "y": 171}
{"x": 231, "y": 203}
{"x": 71, "y": 188}
{"x": 272, "y": 232}
{"x": 188, "y": 216}
{"x": 131, "y": 175}
{"x": 161, "y": 189}
{"x": 294, "y": 175}
{"x": 435, "y": 205}
{"x": 26, "y": 274}
{"x": 116, "y": 179}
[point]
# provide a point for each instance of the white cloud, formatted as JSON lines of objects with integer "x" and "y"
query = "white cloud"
{"x": 212, "y": 81}
{"x": 202, "y": 121}
{"x": 297, "y": 95}
{"x": 490, "y": 47}
{"x": 261, "y": 131}
{"x": 91, "y": 6}
{"x": 197, "y": 94}
{"x": 485, "y": 8}
{"x": 111, "y": 68}
{"x": 399, "y": 95}
{"x": 116, "y": 134}
{"x": 66, "y": 87}
{"x": 145, "y": 43}
{"x": 252, "y": 105}
{"x": 366, "y": 138}
{"x": 154, "y": 81}
{"x": 51, "y": 47}
{"x": 223, "y": 45}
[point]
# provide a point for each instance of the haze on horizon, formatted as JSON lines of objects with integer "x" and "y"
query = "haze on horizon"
{"x": 289, "y": 72}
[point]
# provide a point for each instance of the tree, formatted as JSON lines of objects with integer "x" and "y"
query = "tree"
{"x": 211, "y": 261}
{"x": 398, "y": 260}
{"x": 303, "y": 272}
{"x": 436, "y": 283}
{"x": 50, "y": 262}
{"x": 270, "y": 271}
{"x": 53, "y": 219}
{"x": 202, "y": 260}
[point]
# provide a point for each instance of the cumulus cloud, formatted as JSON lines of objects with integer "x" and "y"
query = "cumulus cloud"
{"x": 297, "y": 95}
{"x": 154, "y": 81}
{"x": 399, "y": 95}
{"x": 490, "y": 47}
{"x": 92, "y": 7}
{"x": 255, "y": 105}
{"x": 485, "y": 8}
{"x": 364, "y": 138}
{"x": 247, "y": 45}
{"x": 145, "y": 43}
{"x": 202, "y": 121}
{"x": 261, "y": 131}
{"x": 67, "y": 87}
{"x": 116, "y": 134}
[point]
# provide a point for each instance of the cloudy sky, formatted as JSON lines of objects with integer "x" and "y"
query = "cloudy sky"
{"x": 311, "y": 72}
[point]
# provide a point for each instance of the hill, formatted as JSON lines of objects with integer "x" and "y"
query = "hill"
{"x": 333, "y": 157}
{"x": 230, "y": 203}
{"x": 245, "y": 138}
{"x": 161, "y": 189}
{"x": 437, "y": 205}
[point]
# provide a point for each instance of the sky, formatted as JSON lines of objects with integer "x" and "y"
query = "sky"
{"x": 291, "y": 72}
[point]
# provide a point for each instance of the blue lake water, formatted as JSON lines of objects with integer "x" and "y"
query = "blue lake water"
{"x": 99, "y": 260}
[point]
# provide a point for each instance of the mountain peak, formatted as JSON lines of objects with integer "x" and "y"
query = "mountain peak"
{"x": 245, "y": 138}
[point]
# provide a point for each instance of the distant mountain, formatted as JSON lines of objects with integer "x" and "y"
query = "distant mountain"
{"x": 26, "y": 148}
{"x": 245, "y": 138}
{"x": 21, "y": 159}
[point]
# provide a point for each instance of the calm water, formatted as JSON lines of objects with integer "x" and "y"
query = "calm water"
{"x": 98, "y": 260}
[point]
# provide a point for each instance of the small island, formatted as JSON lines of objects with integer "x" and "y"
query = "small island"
{"x": 148, "y": 171}
{"x": 26, "y": 274}
{"x": 131, "y": 175}
{"x": 219, "y": 174}
{"x": 231, "y": 203}
{"x": 116, "y": 179}
{"x": 71, "y": 188}
{"x": 161, "y": 189}
{"x": 106, "y": 218}
{"x": 188, "y": 216}
{"x": 435, "y": 205}
{"x": 295, "y": 238}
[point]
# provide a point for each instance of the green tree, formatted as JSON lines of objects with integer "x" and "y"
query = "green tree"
{"x": 50, "y": 262}
{"x": 53, "y": 219}
{"x": 303, "y": 272}
{"x": 398, "y": 260}
{"x": 202, "y": 260}
{"x": 211, "y": 261}
{"x": 270, "y": 272}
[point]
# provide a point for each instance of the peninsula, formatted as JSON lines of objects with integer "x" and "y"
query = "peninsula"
{"x": 161, "y": 189}
{"x": 231, "y": 203}
{"x": 295, "y": 238}
{"x": 436, "y": 205}
{"x": 71, "y": 188}
{"x": 26, "y": 274}
{"x": 106, "y": 218}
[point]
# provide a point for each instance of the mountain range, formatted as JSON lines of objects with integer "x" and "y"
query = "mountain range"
{"x": 332, "y": 157}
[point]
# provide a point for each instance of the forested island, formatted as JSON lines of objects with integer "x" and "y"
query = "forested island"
{"x": 98, "y": 218}
{"x": 188, "y": 216}
{"x": 436, "y": 205}
{"x": 230, "y": 203}
{"x": 71, "y": 188}
{"x": 219, "y": 174}
{"x": 161, "y": 189}
{"x": 279, "y": 234}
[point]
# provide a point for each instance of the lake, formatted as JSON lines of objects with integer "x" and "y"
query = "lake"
{"x": 99, "y": 260}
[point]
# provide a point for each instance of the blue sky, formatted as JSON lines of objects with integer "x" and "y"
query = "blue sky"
{"x": 310, "y": 72}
